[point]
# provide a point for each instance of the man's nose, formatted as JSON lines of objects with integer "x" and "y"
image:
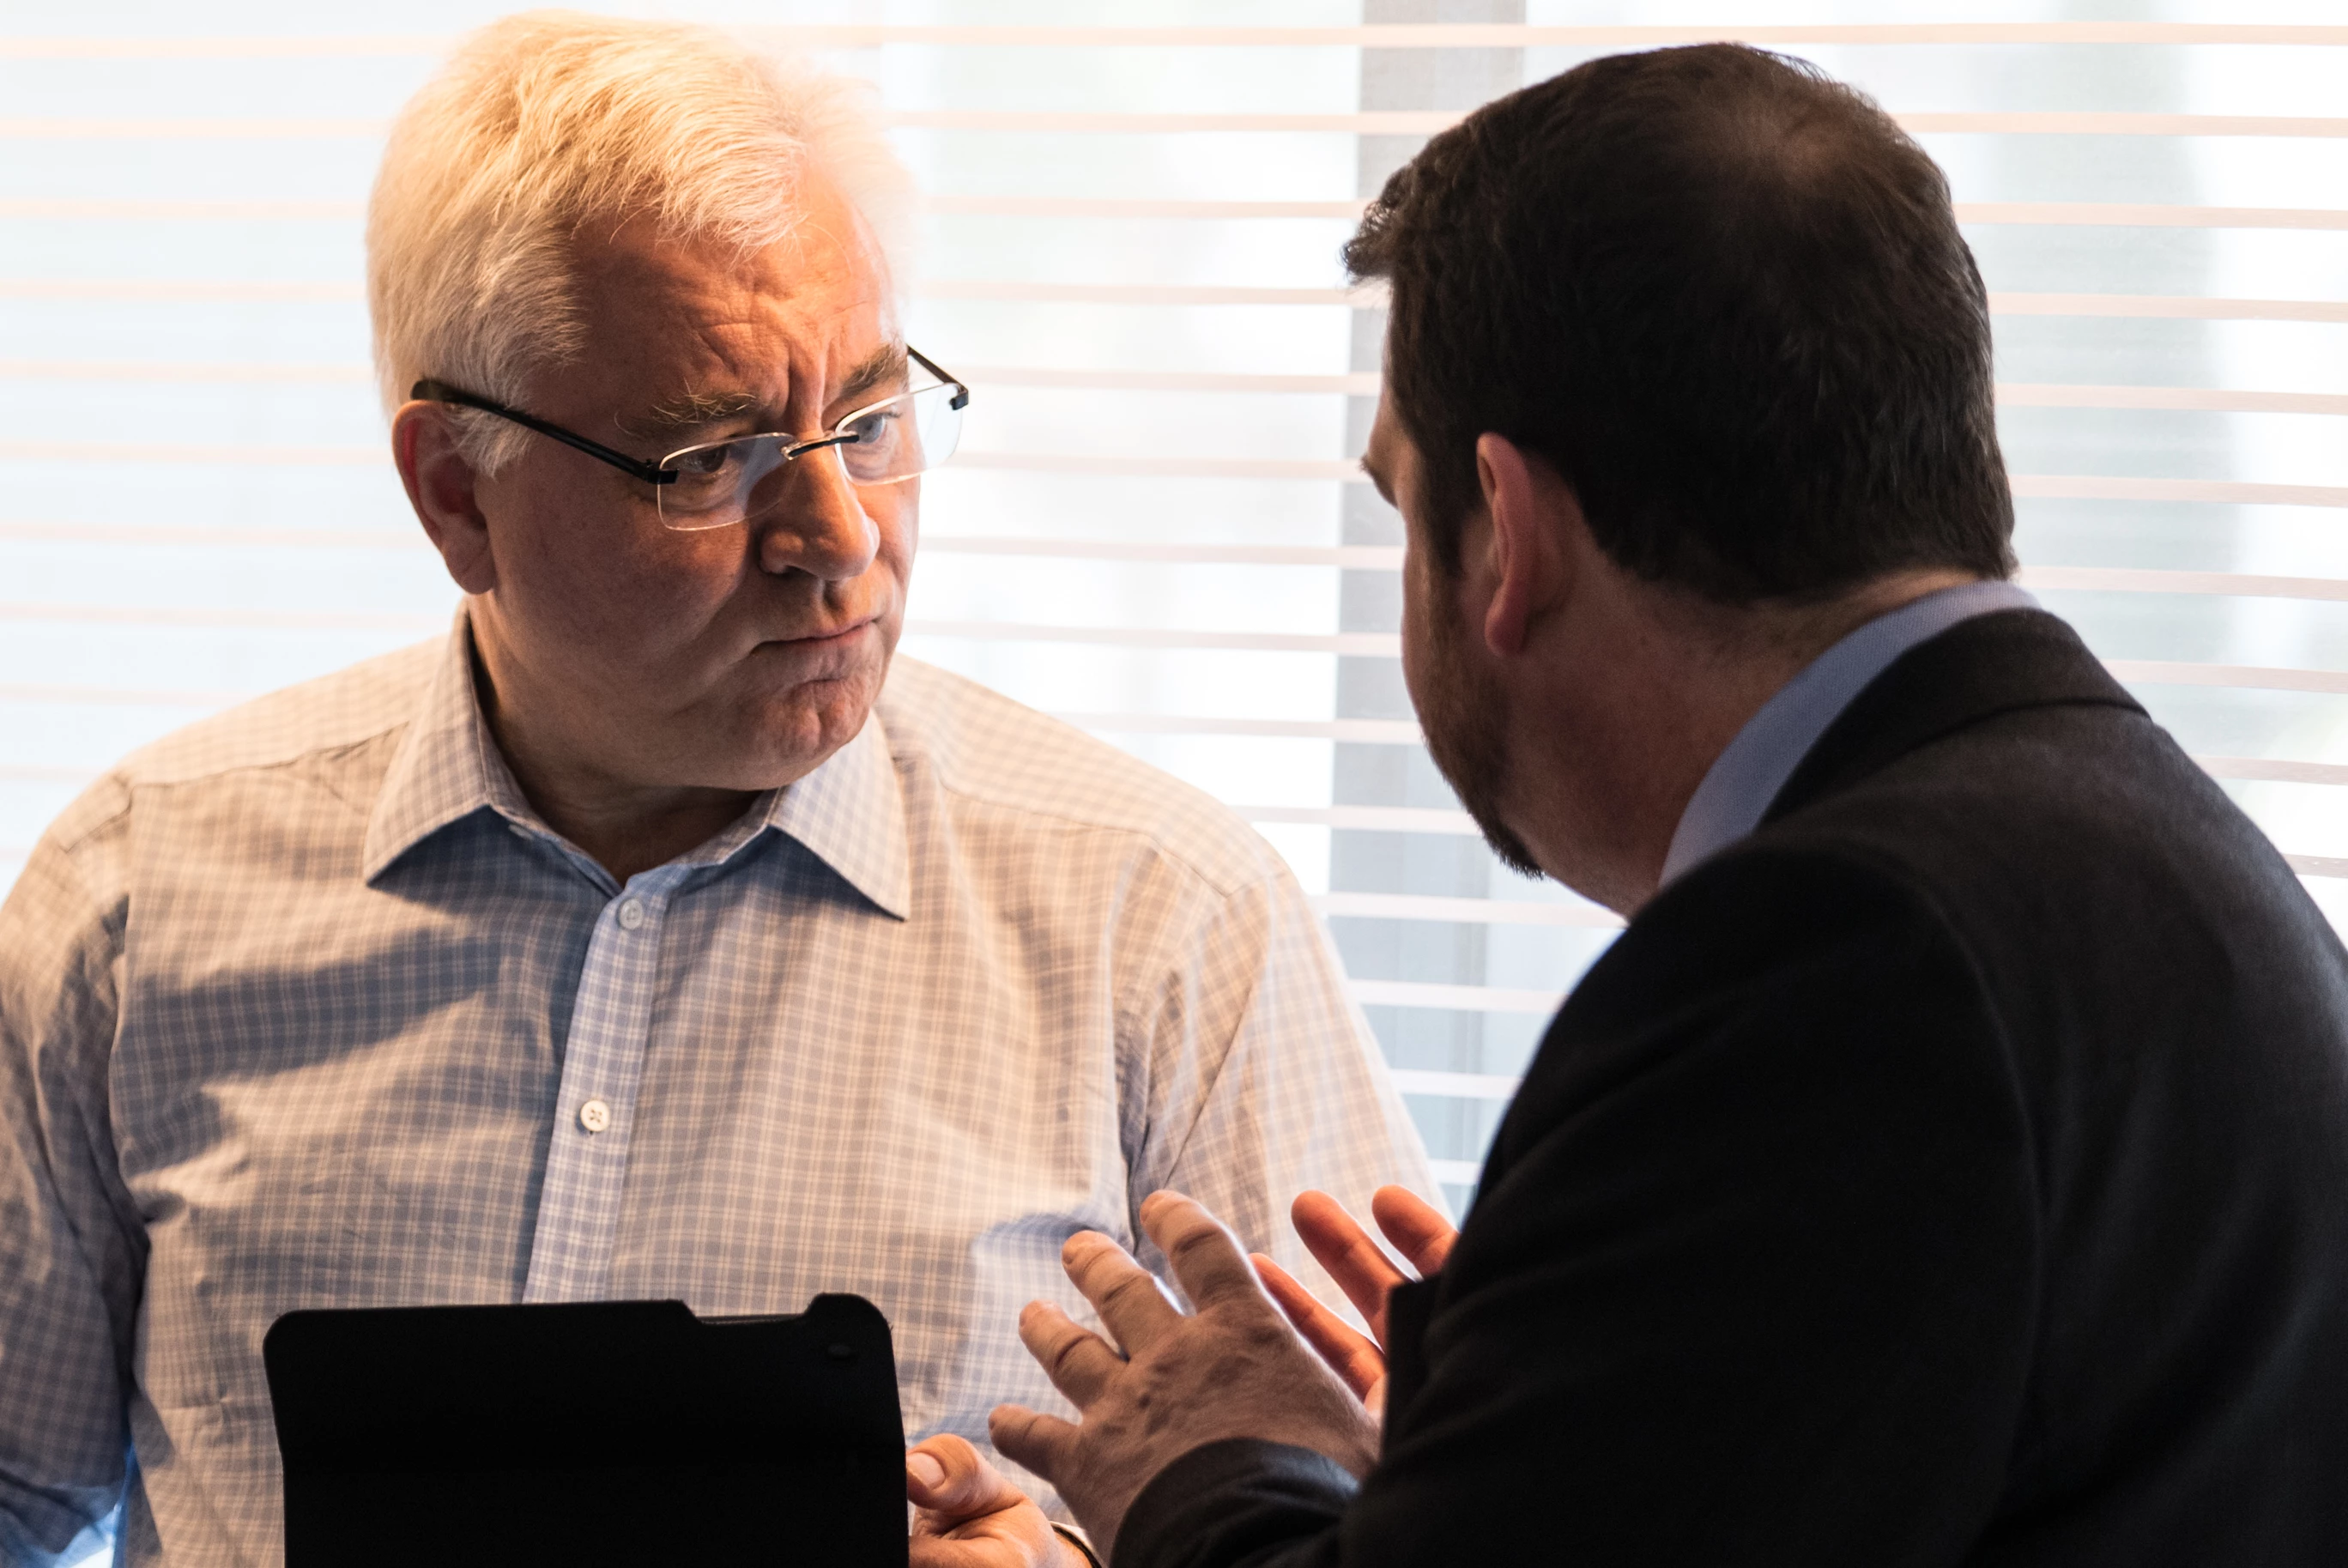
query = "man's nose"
{"x": 820, "y": 528}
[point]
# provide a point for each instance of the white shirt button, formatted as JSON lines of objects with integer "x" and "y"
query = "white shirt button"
{"x": 632, "y": 915}
{"x": 594, "y": 1115}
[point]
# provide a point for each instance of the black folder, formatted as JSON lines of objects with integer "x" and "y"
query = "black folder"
{"x": 603, "y": 1432}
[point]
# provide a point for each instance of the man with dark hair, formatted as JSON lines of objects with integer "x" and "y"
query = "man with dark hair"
{"x": 1950, "y": 1162}
{"x": 1726, "y": 300}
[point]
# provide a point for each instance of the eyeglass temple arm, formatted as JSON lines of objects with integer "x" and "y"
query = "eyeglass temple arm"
{"x": 962, "y": 393}
{"x": 431, "y": 391}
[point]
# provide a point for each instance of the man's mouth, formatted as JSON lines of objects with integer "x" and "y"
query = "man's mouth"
{"x": 829, "y": 638}
{"x": 822, "y": 637}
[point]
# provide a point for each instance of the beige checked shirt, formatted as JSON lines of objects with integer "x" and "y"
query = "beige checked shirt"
{"x": 304, "y": 1007}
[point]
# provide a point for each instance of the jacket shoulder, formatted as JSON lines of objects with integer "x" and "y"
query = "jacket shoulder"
{"x": 1742, "y": 923}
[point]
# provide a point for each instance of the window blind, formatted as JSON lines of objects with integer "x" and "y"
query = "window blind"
{"x": 1156, "y": 530}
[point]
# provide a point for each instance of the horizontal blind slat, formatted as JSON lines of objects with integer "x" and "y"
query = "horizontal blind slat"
{"x": 1069, "y": 122}
{"x": 193, "y": 211}
{"x": 1365, "y": 906}
{"x": 1505, "y": 34}
{"x": 1455, "y": 998}
{"x": 2186, "y": 307}
{"x": 2059, "y": 214}
{"x": 2179, "y": 672}
{"x": 256, "y": 620}
{"x": 1371, "y": 644}
{"x": 1356, "y": 558}
{"x": 1356, "y": 732}
{"x": 2318, "y": 865}
{"x": 2148, "y": 215}
{"x": 2085, "y": 487}
{"x": 2181, "y": 398}
{"x": 1368, "y": 644}
{"x": 119, "y": 697}
{"x": 1390, "y": 36}
{"x": 1359, "y": 384}
{"x": 1463, "y": 910}
{"x": 1367, "y": 819}
{"x": 2164, "y": 306}
{"x": 2145, "y": 580}
{"x": 203, "y": 536}
{"x": 1454, "y": 1085}
{"x": 2106, "y": 487}
{"x": 1014, "y": 291}
{"x": 2273, "y": 770}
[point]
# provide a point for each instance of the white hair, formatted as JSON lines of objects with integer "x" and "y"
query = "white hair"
{"x": 548, "y": 121}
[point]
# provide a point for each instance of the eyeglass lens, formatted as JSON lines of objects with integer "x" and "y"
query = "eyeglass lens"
{"x": 727, "y": 482}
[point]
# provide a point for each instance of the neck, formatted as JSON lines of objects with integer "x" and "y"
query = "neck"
{"x": 626, "y": 827}
{"x": 1604, "y": 778}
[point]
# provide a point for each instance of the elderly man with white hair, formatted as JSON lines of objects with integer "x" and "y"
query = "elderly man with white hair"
{"x": 654, "y": 935}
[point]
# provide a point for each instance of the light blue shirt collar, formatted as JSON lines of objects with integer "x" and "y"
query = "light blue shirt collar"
{"x": 1745, "y": 778}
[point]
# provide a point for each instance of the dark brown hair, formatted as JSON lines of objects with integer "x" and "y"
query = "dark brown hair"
{"x": 1726, "y": 297}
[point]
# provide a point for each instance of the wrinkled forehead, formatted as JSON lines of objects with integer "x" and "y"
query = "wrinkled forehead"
{"x": 697, "y": 326}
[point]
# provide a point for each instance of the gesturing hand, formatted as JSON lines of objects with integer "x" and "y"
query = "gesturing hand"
{"x": 1418, "y": 1231}
{"x": 968, "y": 1516}
{"x": 1233, "y": 1368}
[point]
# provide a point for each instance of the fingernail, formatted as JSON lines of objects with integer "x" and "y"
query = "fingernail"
{"x": 925, "y": 1469}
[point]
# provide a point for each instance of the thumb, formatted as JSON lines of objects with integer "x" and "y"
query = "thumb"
{"x": 945, "y": 1477}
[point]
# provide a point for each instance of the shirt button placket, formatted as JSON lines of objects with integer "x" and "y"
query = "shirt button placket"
{"x": 571, "y": 1250}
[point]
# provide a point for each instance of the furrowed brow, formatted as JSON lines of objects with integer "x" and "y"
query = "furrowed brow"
{"x": 697, "y": 410}
{"x": 884, "y": 366}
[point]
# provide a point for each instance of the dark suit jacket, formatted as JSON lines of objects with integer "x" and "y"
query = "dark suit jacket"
{"x": 1955, "y": 1172}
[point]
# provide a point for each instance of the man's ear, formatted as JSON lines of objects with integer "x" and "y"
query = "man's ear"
{"x": 441, "y": 487}
{"x": 1526, "y": 503}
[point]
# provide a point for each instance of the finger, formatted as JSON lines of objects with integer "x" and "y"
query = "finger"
{"x": 1045, "y": 1444}
{"x": 1358, "y": 1265}
{"x": 1205, "y": 1257}
{"x": 1352, "y": 1357}
{"x": 1126, "y": 1294}
{"x": 951, "y": 1481}
{"x": 1078, "y": 1361}
{"x": 1416, "y": 1227}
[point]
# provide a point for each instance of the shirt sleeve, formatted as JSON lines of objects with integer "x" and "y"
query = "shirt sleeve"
{"x": 1265, "y": 1080}
{"x": 71, "y": 1251}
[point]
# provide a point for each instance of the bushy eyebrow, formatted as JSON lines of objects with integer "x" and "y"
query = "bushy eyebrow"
{"x": 697, "y": 410}
{"x": 884, "y": 366}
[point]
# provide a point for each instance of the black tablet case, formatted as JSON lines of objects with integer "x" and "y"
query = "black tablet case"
{"x": 602, "y": 1433}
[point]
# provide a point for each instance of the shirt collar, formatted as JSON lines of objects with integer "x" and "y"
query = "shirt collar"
{"x": 447, "y": 768}
{"x": 1745, "y": 777}
{"x": 850, "y": 812}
